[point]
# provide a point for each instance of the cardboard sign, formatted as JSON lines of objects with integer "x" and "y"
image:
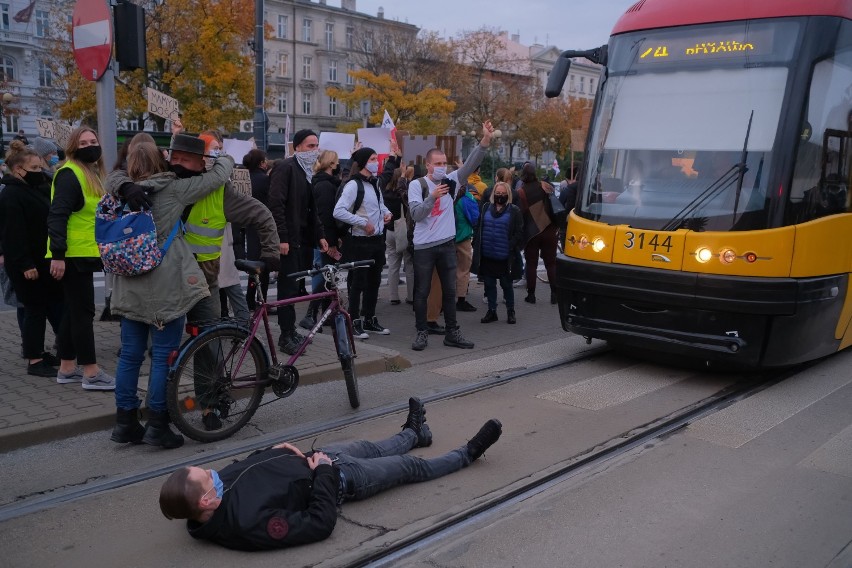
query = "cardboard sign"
{"x": 237, "y": 149}
{"x": 46, "y": 128}
{"x": 337, "y": 142}
{"x": 241, "y": 181}
{"x": 63, "y": 133}
{"x": 162, "y": 105}
{"x": 578, "y": 140}
{"x": 376, "y": 138}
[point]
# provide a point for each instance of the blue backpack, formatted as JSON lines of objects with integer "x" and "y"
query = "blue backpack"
{"x": 127, "y": 240}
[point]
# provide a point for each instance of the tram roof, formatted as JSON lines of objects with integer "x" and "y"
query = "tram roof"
{"x": 650, "y": 14}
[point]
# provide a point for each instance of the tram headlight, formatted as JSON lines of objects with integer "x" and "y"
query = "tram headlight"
{"x": 598, "y": 244}
{"x": 703, "y": 255}
{"x": 584, "y": 241}
{"x": 728, "y": 256}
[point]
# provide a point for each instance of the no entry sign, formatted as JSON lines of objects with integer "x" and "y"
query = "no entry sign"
{"x": 92, "y": 37}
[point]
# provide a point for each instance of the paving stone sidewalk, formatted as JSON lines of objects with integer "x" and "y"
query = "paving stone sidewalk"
{"x": 36, "y": 409}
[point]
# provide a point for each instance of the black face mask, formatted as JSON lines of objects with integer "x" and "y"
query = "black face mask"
{"x": 33, "y": 178}
{"x": 501, "y": 199}
{"x": 183, "y": 172}
{"x": 89, "y": 154}
{"x": 336, "y": 172}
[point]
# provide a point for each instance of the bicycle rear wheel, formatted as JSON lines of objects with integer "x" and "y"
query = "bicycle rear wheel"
{"x": 206, "y": 400}
{"x": 351, "y": 377}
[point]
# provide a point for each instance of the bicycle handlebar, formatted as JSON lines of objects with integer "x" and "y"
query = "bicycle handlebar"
{"x": 329, "y": 267}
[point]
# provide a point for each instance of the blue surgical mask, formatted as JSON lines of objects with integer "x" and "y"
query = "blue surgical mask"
{"x": 215, "y": 153}
{"x": 372, "y": 167}
{"x": 53, "y": 161}
{"x": 439, "y": 173}
{"x": 217, "y": 484}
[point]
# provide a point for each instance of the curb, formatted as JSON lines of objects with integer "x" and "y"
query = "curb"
{"x": 369, "y": 362}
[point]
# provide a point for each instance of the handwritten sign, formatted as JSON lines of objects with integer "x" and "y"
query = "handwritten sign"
{"x": 160, "y": 104}
{"x": 46, "y": 128}
{"x": 63, "y": 133}
{"x": 241, "y": 181}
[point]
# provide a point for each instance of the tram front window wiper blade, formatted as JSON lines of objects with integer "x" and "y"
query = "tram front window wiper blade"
{"x": 743, "y": 169}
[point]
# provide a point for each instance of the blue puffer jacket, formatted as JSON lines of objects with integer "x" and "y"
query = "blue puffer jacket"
{"x": 514, "y": 241}
{"x": 495, "y": 234}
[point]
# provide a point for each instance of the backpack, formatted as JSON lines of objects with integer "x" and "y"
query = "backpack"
{"x": 342, "y": 226}
{"x": 127, "y": 240}
{"x": 408, "y": 220}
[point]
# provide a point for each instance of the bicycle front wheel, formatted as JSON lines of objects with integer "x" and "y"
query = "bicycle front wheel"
{"x": 209, "y": 398}
{"x": 351, "y": 377}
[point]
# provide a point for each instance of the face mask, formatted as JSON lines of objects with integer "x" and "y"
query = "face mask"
{"x": 336, "y": 171}
{"x": 53, "y": 161}
{"x": 372, "y": 167}
{"x": 183, "y": 172}
{"x": 501, "y": 199}
{"x": 89, "y": 154}
{"x": 33, "y": 178}
{"x": 217, "y": 483}
{"x": 215, "y": 153}
{"x": 308, "y": 157}
{"x": 439, "y": 173}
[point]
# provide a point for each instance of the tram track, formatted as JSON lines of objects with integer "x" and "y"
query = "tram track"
{"x": 395, "y": 548}
{"x": 56, "y": 497}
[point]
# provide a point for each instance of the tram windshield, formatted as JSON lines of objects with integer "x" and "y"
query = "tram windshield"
{"x": 686, "y": 124}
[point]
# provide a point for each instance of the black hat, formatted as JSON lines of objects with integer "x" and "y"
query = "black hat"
{"x": 300, "y": 136}
{"x": 362, "y": 156}
{"x": 190, "y": 144}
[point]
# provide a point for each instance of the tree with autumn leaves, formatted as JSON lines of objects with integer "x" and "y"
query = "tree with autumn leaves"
{"x": 197, "y": 53}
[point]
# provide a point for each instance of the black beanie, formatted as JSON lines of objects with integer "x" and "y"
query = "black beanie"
{"x": 362, "y": 156}
{"x": 300, "y": 136}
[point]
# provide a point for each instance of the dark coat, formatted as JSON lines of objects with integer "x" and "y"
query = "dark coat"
{"x": 291, "y": 201}
{"x": 325, "y": 196}
{"x": 272, "y": 500}
{"x": 516, "y": 239}
{"x": 251, "y": 248}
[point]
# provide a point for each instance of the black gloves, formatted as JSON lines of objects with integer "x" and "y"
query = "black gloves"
{"x": 136, "y": 196}
{"x": 273, "y": 263}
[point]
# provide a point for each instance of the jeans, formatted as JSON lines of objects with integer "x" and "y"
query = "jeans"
{"x": 234, "y": 295}
{"x": 372, "y": 467}
{"x": 317, "y": 281}
{"x": 134, "y": 343}
{"x": 442, "y": 257}
{"x": 491, "y": 291}
{"x": 207, "y": 310}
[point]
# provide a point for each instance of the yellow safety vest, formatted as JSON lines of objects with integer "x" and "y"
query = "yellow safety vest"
{"x": 205, "y": 226}
{"x": 80, "y": 234}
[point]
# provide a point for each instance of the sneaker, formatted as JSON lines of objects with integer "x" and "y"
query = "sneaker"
{"x": 416, "y": 421}
{"x": 510, "y": 316}
{"x": 435, "y": 329}
{"x": 289, "y": 343}
{"x": 395, "y": 302}
{"x": 454, "y": 338}
{"x": 490, "y": 316}
{"x": 530, "y": 299}
{"x": 373, "y": 326}
{"x": 358, "y": 329}
{"x": 211, "y": 421}
{"x": 41, "y": 369}
{"x": 74, "y": 376}
{"x": 464, "y": 306}
{"x": 484, "y": 439}
{"x": 307, "y": 322}
{"x": 519, "y": 283}
{"x": 50, "y": 359}
{"x": 100, "y": 382}
{"x": 421, "y": 341}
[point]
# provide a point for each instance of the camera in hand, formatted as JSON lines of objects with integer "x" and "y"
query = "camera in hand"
{"x": 451, "y": 185}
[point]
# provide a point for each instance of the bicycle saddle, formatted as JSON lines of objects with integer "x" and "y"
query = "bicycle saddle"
{"x": 250, "y": 266}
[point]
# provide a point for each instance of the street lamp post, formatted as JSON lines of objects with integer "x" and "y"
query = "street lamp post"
{"x": 6, "y": 98}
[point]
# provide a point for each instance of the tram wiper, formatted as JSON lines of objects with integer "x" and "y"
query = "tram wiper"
{"x": 743, "y": 170}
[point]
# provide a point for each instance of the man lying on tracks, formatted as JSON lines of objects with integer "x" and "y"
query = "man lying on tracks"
{"x": 280, "y": 497}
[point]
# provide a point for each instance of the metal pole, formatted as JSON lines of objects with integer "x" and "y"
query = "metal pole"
{"x": 259, "y": 116}
{"x": 105, "y": 92}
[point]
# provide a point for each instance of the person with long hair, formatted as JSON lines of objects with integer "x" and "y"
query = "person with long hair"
{"x": 153, "y": 305}
{"x": 24, "y": 205}
{"x": 77, "y": 187}
{"x": 540, "y": 229}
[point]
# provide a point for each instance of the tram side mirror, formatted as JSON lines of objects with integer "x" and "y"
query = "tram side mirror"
{"x": 557, "y": 77}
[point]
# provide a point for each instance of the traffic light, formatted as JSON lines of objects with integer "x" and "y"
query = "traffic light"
{"x": 130, "y": 50}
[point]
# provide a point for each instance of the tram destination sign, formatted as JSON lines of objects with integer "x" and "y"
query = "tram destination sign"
{"x": 706, "y": 45}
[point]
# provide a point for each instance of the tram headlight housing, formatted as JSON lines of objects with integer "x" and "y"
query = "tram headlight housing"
{"x": 584, "y": 241}
{"x": 598, "y": 244}
{"x": 703, "y": 255}
{"x": 728, "y": 256}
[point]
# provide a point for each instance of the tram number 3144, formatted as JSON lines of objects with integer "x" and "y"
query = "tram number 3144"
{"x": 640, "y": 241}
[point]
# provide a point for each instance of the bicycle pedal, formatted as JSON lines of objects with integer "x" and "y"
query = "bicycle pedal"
{"x": 284, "y": 379}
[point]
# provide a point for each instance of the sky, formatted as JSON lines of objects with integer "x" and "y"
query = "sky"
{"x": 567, "y": 24}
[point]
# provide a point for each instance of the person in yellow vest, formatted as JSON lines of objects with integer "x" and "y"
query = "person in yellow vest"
{"x": 77, "y": 187}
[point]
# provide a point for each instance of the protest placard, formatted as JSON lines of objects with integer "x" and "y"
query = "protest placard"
{"x": 162, "y": 105}
{"x": 241, "y": 181}
{"x": 63, "y": 133}
{"x": 339, "y": 142}
{"x": 237, "y": 149}
{"x": 376, "y": 138}
{"x": 46, "y": 128}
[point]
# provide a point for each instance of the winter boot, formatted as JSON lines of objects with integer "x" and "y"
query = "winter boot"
{"x": 158, "y": 433}
{"x": 127, "y": 427}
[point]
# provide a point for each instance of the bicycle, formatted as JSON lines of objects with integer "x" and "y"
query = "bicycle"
{"x": 218, "y": 377}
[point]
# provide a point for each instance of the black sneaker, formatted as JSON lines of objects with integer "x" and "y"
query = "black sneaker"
{"x": 41, "y": 369}
{"x": 454, "y": 338}
{"x": 416, "y": 421}
{"x": 211, "y": 421}
{"x": 490, "y": 316}
{"x": 421, "y": 341}
{"x": 510, "y": 316}
{"x": 50, "y": 359}
{"x": 435, "y": 329}
{"x": 288, "y": 344}
{"x": 373, "y": 326}
{"x": 358, "y": 329}
{"x": 530, "y": 299}
{"x": 464, "y": 306}
{"x": 484, "y": 439}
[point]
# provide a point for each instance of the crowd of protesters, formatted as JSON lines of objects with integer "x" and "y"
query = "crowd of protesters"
{"x": 434, "y": 225}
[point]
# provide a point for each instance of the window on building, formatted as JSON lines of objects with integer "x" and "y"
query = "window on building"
{"x": 307, "y": 29}
{"x": 133, "y": 125}
{"x": 7, "y": 69}
{"x": 582, "y": 84}
{"x": 11, "y": 122}
{"x": 306, "y": 103}
{"x": 350, "y": 67}
{"x": 368, "y": 42}
{"x": 45, "y": 76}
{"x": 350, "y": 37}
{"x": 332, "y": 106}
{"x": 283, "y": 61}
{"x": 329, "y": 36}
{"x": 307, "y": 63}
{"x": 282, "y": 103}
{"x": 42, "y": 18}
{"x": 591, "y": 86}
{"x": 332, "y": 71}
{"x": 571, "y": 85}
{"x": 4, "y": 16}
{"x": 281, "y": 32}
